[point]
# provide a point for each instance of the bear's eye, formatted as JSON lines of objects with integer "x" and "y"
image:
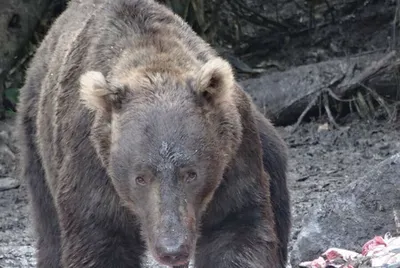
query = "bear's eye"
{"x": 141, "y": 181}
{"x": 190, "y": 176}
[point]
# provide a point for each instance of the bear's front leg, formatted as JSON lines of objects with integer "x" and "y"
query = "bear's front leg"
{"x": 95, "y": 231}
{"x": 98, "y": 248}
{"x": 242, "y": 243}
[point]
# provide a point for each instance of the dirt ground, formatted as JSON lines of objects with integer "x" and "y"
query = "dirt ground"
{"x": 321, "y": 161}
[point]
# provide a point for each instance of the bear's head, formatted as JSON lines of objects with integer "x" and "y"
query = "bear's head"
{"x": 165, "y": 139}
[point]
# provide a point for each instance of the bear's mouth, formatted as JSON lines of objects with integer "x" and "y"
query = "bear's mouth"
{"x": 174, "y": 263}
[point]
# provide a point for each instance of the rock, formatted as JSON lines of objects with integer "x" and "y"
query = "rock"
{"x": 17, "y": 257}
{"x": 8, "y": 184}
{"x": 350, "y": 217}
{"x": 8, "y": 149}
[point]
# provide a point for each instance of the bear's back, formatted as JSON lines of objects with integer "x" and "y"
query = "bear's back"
{"x": 93, "y": 35}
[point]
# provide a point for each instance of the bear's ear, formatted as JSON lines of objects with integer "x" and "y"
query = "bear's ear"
{"x": 97, "y": 94}
{"x": 215, "y": 79}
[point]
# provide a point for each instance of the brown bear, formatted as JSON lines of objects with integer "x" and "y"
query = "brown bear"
{"x": 135, "y": 137}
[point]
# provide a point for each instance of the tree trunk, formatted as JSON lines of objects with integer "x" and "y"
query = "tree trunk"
{"x": 18, "y": 20}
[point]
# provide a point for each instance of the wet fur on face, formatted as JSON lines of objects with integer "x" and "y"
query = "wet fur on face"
{"x": 165, "y": 129}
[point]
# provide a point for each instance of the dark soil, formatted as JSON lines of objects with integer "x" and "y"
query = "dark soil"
{"x": 320, "y": 162}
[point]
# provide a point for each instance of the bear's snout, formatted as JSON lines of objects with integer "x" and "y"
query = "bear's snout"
{"x": 173, "y": 250}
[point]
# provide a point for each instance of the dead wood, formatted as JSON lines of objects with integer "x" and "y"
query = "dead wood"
{"x": 287, "y": 96}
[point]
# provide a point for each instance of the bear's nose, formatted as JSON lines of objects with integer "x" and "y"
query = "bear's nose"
{"x": 172, "y": 251}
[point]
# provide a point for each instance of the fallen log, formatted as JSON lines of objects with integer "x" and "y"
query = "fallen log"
{"x": 284, "y": 96}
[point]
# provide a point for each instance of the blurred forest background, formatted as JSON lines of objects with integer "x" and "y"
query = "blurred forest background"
{"x": 294, "y": 56}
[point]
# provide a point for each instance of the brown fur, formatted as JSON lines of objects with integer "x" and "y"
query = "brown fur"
{"x": 134, "y": 134}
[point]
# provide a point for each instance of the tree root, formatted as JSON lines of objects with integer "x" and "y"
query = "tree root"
{"x": 362, "y": 99}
